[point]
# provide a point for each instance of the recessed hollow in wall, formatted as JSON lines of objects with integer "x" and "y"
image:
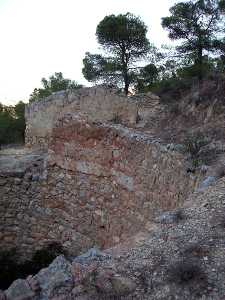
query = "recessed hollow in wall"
{"x": 13, "y": 268}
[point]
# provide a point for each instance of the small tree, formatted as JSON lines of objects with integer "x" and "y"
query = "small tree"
{"x": 55, "y": 83}
{"x": 196, "y": 24}
{"x": 123, "y": 38}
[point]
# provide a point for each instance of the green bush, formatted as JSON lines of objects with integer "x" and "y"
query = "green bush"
{"x": 171, "y": 89}
{"x": 188, "y": 274}
{"x": 194, "y": 142}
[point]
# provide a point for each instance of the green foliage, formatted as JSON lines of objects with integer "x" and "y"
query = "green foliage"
{"x": 171, "y": 89}
{"x": 55, "y": 83}
{"x": 123, "y": 38}
{"x": 12, "y": 123}
{"x": 197, "y": 25}
{"x": 101, "y": 69}
{"x": 206, "y": 68}
{"x": 194, "y": 142}
{"x": 123, "y": 34}
{"x": 195, "y": 145}
{"x": 147, "y": 77}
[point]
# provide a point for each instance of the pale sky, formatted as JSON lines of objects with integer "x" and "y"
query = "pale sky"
{"x": 41, "y": 37}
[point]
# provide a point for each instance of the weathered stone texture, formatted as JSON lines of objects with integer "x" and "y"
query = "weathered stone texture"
{"x": 96, "y": 104}
{"x": 113, "y": 179}
{"x": 102, "y": 184}
{"x": 105, "y": 184}
{"x": 21, "y": 175}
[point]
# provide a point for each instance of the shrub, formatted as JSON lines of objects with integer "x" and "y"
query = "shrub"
{"x": 194, "y": 142}
{"x": 171, "y": 89}
{"x": 187, "y": 274}
{"x": 184, "y": 272}
{"x": 116, "y": 119}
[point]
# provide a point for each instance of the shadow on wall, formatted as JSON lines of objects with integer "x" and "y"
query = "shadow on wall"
{"x": 12, "y": 270}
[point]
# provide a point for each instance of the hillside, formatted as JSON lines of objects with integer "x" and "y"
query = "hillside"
{"x": 138, "y": 179}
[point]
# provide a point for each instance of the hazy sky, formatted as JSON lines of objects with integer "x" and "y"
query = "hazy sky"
{"x": 40, "y": 37}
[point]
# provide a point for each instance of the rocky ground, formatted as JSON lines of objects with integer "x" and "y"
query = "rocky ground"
{"x": 182, "y": 257}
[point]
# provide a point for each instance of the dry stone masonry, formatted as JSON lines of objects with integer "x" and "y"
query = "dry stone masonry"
{"x": 97, "y": 104}
{"x": 88, "y": 176}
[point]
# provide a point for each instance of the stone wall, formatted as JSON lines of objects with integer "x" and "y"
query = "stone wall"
{"x": 98, "y": 185}
{"x": 96, "y": 182}
{"x": 27, "y": 222}
{"x": 97, "y": 104}
{"x": 115, "y": 179}
{"x": 21, "y": 175}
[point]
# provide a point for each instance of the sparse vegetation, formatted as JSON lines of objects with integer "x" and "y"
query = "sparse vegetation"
{"x": 183, "y": 272}
{"x": 116, "y": 119}
{"x": 171, "y": 89}
{"x": 55, "y": 83}
{"x": 193, "y": 143}
{"x": 107, "y": 186}
{"x": 188, "y": 274}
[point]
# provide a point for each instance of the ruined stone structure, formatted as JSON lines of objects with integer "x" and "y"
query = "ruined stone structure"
{"x": 95, "y": 182}
{"x": 97, "y": 104}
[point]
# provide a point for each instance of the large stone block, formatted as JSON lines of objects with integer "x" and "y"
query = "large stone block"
{"x": 20, "y": 290}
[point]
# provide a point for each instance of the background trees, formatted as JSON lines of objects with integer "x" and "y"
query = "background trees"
{"x": 197, "y": 25}
{"x": 12, "y": 123}
{"x": 123, "y": 38}
{"x": 147, "y": 77}
{"x": 55, "y": 83}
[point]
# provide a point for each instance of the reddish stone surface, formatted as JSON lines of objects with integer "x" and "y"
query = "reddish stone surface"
{"x": 100, "y": 185}
{"x": 120, "y": 178}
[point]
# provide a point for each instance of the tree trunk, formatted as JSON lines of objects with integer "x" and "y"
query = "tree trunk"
{"x": 200, "y": 64}
{"x": 126, "y": 86}
{"x": 125, "y": 78}
{"x": 200, "y": 58}
{"x": 125, "y": 70}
